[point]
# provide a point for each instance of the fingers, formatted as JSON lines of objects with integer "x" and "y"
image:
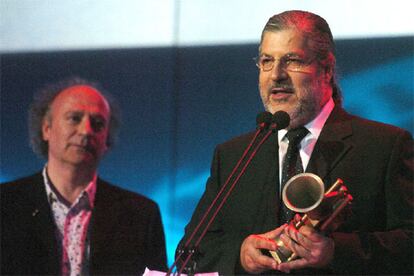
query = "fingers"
{"x": 252, "y": 260}
{"x": 297, "y": 242}
{"x": 274, "y": 233}
{"x": 251, "y": 257}
{"x": 314, "y": 249}
{"x": 302, "y": 237}
{"x": 295, "y": 264}
{"x": 310, "y": 233}
{"x": 257, "y": 263}
{"x": 262, "y": 242}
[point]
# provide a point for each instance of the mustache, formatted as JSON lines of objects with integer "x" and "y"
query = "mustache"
{"x": 282, "y": 86}
{"x": 88, "y": 144}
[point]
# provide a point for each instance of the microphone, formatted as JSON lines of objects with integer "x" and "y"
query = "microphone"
{"x": 264, "y": 120}
{"x": 281, "y": 119}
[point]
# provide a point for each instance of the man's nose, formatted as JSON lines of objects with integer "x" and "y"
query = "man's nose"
{"x": 278, "y": 71}
{"x": 85, "y": 126}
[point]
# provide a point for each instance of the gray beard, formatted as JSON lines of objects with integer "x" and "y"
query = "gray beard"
{"x": 304, "y": 112}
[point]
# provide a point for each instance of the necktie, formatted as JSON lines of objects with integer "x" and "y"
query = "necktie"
{"x": 292, "y": 165}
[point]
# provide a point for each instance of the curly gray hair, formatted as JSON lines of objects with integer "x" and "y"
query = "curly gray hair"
{"x": 39, "y": 110}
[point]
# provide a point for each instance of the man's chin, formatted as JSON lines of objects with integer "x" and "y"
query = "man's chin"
{"x": 295, "y": 119}
{"x": 272, "y": 108}
{"x": 86, "y": 160}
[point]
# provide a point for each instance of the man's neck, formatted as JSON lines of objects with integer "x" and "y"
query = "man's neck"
{"x": 70, "y": 180}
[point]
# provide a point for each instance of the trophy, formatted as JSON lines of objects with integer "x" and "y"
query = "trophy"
{"x": 305, "y": 193}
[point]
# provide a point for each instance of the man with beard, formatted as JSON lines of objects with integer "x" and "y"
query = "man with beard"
{"x": 66, "y": 220}
{"x": 297, "y": 75}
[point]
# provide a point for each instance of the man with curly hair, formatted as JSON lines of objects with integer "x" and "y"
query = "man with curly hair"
{"x": 65, "y": 220}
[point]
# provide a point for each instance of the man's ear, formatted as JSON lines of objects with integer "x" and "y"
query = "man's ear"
{"x": 328, "y": 74}
{"x": 108, "y": 145}
{"x": 329, "y": 68}
{"x": 46, "y": 128}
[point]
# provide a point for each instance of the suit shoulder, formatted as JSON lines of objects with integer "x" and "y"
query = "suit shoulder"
{"x": 238, "y": 141}
{"x": 21, "y": 184}
{"x": 234, "y": 148}
{"x": 18, "y": 196}
{"x": 340, "y": 118}
{"x": 378, "y": 129}
{"x": 125, "y": 196}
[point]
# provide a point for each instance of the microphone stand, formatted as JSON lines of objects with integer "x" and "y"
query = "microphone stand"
{"x": 191, "y": 253}
{"x": 273, "y": 127}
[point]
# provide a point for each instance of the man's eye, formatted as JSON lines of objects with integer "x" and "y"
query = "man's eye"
{"x": 75, "y": 118}
{"x": 294, "y": 61}
{"x": 98, "y": 125}
{"x": 267, "y": 60}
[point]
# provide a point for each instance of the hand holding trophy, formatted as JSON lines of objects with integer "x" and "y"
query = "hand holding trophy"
{"x": 305, "y": 194}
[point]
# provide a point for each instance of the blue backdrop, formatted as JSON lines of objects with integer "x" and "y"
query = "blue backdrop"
{"x": 178, "y": 103}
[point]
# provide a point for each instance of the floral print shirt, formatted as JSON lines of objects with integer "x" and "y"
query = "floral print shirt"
{"x": 72, "y": 224}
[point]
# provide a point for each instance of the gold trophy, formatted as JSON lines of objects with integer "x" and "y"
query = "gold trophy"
{"x": 305, "y": 193}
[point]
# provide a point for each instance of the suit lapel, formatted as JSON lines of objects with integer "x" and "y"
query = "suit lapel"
{"x": 273, "y": 182}
{"x": 102, "y": 223}
{"x": 267, "y": 211}
{"x": 42, "y": 223}
{"x": 333, "y": 144}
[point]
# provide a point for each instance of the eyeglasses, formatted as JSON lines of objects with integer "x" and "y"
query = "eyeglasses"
{"x": 290, "y": 63}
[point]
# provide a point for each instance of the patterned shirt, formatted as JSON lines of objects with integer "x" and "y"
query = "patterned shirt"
{"x": 72, "y": 221}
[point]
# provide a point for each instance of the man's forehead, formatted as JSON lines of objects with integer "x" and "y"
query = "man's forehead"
{"x": 290, "y": 41}
{"x": 81, "y": 94}
{"x": 81, "y": 90}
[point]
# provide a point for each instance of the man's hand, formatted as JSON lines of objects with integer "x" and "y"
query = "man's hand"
{"x": 251, "y": 258}
{"x": 313, "y": 249}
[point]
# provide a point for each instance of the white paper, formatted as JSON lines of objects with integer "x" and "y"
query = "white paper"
{"x": 160, "y": 273}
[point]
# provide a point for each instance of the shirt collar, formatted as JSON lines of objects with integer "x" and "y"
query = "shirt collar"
{"x": 53, "y": 194}
{"x": 315, "y": 126}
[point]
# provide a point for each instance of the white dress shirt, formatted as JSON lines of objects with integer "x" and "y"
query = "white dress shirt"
{"x": 308, "y": 143}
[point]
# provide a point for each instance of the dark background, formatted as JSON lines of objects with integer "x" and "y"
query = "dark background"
{"x": 179, "y": 102}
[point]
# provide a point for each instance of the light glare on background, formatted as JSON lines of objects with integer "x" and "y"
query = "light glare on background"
{"x": 42, "y": 25}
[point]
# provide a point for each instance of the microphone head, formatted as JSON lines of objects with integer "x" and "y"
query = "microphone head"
{"x": 264, "y": 119}
{"x": 281, "y": 119}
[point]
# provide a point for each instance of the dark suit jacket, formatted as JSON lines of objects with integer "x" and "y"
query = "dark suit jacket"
{"x": 375, "y": 162}
{"x": 126, "y": 231}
